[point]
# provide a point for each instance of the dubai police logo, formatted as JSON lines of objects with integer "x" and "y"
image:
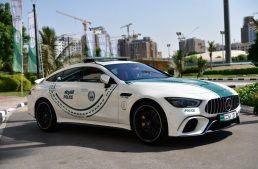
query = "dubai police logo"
{"x": 91, "y": 96}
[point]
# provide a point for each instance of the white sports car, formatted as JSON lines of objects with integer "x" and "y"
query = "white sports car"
{"x": 133, "y": 96}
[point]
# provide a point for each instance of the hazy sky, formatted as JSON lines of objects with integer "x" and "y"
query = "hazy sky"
{"x": 159, "y": 19}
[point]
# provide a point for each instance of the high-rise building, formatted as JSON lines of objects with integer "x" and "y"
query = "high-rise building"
{"x": 248, "y": 32}
{"x": 192, "y": 46}
{"x": 62, "y": 46}
{"x": 101, "y": 41}
{"x": 137, "y": 48}
{"x": 241, "y": 46}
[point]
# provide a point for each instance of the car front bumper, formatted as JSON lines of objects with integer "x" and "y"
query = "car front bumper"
{"x": 199, "y": 124}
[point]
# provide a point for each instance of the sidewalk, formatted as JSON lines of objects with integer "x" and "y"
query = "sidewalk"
{"x": 7, "y": 102}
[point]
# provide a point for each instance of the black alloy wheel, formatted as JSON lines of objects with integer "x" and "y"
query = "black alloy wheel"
{"x": 45, "y": 116}
{"x": 150, "y": 124}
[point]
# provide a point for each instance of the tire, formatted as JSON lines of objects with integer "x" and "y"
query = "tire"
{"x": 149, "y": 123}
{"x": 45, "y": 116}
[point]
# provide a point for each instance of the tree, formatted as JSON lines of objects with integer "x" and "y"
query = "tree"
{"x": 6, "y": 35}
{"x": 201, "y": 66}
{"x": 254, "y": 23}
{"x": 211, "y": 48}
{"x": 25, "y": 36}
{"x": 253, "y": 51}
{"x": 51, "y": 61}
{"x": 98, "y": 52}
{"x": 48, "y": 37}
{"x": 191, "y": 59}
{"x": 178, "y": 59}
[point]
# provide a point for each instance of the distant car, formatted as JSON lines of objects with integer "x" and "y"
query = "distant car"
{"x": 133, "y": 96}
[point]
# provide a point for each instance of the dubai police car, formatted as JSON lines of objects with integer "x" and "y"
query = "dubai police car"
{"x": 133, "y": 96}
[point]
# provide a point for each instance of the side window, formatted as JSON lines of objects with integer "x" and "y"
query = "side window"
{"x": 56, "y": 77}
{"x": 72, "y": 75}
{"x": 91, "y": 74}
{"x": 79, "y": 74}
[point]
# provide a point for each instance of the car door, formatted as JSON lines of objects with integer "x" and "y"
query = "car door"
{"x": 97, "y": 101}
{"x": 65, "y": 91}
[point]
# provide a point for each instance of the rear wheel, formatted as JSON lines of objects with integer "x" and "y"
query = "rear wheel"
{"x": 45, "y": 116}
{"x": 149, "y": 123}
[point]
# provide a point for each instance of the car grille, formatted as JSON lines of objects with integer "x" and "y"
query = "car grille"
{"x": 222, "y": 105}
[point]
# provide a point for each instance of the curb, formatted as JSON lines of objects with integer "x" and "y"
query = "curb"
{"x": 4, "y": 113}
{"x": 230, "y": 79}
{"x": 4, "y": 119}
{"x": 248, "y": 110}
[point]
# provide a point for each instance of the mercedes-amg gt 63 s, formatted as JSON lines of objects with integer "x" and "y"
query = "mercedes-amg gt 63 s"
{"x": 133, "y": 96}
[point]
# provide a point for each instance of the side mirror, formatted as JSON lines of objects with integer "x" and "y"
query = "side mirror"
{"x": 105, "y": 79}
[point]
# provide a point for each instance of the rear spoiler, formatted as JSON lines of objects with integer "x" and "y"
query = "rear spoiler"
{"x": 38, "y": 81}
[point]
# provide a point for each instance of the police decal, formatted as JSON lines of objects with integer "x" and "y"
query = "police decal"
{"x": 91, "y": 96}
{"x": 96, "y": 106}
{"x": 68, "y": 94}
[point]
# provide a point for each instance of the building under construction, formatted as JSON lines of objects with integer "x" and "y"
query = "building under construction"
{"x": 135, "y": 48}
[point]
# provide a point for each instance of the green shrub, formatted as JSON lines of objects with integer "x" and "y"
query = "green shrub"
{"x": 191, "y": 59}
{"x": 13, "y": 83}
{"x": 240, "y": 58}
{"x": 31, "y": 77}
{"x": 171, "y": 71}
{"x": 249, "y": 95}
{"x": 232, "y": 71}
{"x": 193, "y": 69}
{"x": 7, "y": 83}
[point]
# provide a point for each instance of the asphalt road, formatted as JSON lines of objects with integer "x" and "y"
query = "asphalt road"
{"x": 24, "y": 146}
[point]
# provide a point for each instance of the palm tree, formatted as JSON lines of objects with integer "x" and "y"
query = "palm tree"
{"x": 178, "y": 59}
{"x": 51, "y": 61}
{"x": 254, "y": 23}
{"x": 211, "y": 48}
{"x": 97, "y": 52}
{"x": 48, "y": 37}
{"x": 201, "y": 63}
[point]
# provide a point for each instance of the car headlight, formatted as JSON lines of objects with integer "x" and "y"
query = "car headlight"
{"x": 183, "y": 102}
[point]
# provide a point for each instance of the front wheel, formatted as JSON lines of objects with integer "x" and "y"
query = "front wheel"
{"x": 45, "y": 116}
{"x": 149, "y": 123}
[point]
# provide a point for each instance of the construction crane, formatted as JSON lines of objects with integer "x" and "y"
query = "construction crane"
{"x": 118, "y": 37}
{"x": 192, "y": 31}
{"x": 85, "y": 23}
{"x": 128, "y": 28}
{"x": 181, "y": 36}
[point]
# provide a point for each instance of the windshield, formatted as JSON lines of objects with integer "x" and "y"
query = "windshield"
{"x": 135, "y": 71}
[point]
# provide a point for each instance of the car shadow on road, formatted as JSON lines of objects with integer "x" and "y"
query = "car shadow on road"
{"x": 96, "y": 137}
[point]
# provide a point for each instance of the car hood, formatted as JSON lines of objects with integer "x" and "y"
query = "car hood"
{"x": 180, "y": 85}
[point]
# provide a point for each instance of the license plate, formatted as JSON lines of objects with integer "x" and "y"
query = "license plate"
{"x": 228, "y": 116}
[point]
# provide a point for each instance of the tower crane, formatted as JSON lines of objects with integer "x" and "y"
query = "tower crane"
{"x": 192, "y": 31}
{"x": 128, "y": 28}
{"x": 181, "y": 35}
{"x": 85, "y": 23}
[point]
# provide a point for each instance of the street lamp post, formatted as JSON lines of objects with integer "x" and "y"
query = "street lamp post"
{"x": 222, "y": 36}
{"x": 227, "y": 31}
{"x": 181, "y": 39}
{"x": 36, "y": 36}
{"x": 168, "y": 45}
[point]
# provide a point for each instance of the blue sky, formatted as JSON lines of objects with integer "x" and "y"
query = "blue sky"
{"x": 159, "y": 19}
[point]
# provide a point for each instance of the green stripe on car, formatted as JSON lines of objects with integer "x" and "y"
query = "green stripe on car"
{"x": 222, "y": 92}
